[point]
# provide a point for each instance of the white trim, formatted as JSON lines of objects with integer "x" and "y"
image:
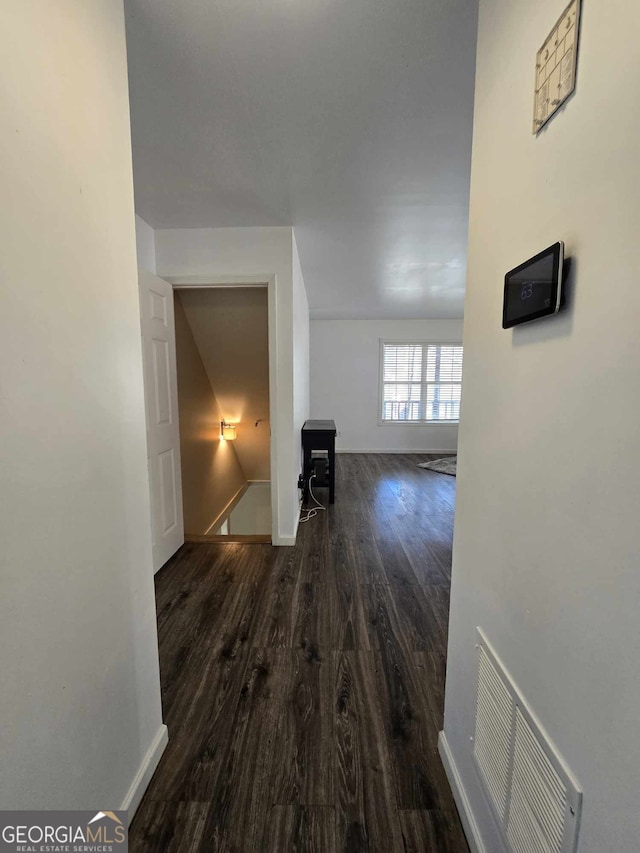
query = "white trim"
{"x": 270, "y": 281}
{"x": 219, "y": 280}
{"x": 145, "y": 772}
{"x": 289, "y": 540}
{"x": 407, "y": 452}
{"x": 222, "y": 516}
{"x": 441, "y": 342}
{"x": 471, "y": 831}
{"x": 284, "y": 540}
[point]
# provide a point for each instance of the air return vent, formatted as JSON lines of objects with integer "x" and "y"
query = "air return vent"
{"x": 493, "y": 742}
{"x": 534, "y": 796}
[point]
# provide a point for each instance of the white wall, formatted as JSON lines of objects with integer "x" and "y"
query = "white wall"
{"x": 219, "y": 252}
{"x": 546, "y": 531}
{"x": 145, "y": 245}
{"x": 80, "y": 697}
{"x": 345, "y": 376}
{"x": 301, "y": 357}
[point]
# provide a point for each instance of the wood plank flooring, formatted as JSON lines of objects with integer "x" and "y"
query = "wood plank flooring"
{"x": 247, "y": 538}
{"x": 303, "y": 687}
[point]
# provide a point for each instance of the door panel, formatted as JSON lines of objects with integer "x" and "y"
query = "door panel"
{"x": 162, "y": 390}
{"x": 161, "y": 402}
{"x": 166, "y": 464}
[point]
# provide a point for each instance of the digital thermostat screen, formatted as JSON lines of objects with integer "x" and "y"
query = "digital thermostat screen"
{"x": 532, "y": 290}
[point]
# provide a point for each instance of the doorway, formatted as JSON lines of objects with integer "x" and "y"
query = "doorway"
{"x": 222, "y": 349}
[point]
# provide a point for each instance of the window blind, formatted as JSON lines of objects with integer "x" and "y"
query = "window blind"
{"x": 420, "y": 382}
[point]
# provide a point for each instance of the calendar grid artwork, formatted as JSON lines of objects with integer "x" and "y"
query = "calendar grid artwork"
{"x": 556, "y": 63}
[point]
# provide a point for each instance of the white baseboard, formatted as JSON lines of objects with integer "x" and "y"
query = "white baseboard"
{"x": 283, "y": 540}
{"x": 145, "y": 772}
{"x": 408, "y": 452}
{"x": 469, "y": 824}
{"x": 288, "y": 540}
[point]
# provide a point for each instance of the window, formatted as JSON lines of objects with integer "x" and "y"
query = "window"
{"x": 420, "y": 382}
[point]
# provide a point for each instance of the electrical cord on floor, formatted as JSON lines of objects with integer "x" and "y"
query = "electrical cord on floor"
{"x": 312, "y": 511}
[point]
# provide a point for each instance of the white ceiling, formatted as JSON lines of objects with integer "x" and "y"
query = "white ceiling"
{"x": 348, "y": 119}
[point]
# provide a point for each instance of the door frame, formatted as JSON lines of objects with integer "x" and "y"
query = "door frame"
{"x": 184, "y": 282}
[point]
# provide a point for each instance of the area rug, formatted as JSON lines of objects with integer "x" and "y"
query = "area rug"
{"x": 442, "y": 466}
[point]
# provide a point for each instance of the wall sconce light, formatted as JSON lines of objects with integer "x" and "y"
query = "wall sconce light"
{"x": 227, "y": 431}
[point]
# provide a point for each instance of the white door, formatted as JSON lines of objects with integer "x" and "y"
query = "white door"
{"x": 161, "y": 402}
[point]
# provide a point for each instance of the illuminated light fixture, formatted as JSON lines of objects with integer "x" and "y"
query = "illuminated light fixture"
{"x": 227, "y": 431}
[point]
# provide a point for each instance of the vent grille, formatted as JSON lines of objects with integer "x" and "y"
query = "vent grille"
{"x": 535, "y": 798}
{"x": 538, "y": 796}
{"x": 493, "y": 732}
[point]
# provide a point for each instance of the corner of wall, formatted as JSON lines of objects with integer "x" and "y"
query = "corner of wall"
{"x": 145, "y": 245}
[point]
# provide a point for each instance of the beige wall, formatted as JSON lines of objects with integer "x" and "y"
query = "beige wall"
{"x": 230, "y": 329}
{"x": 211, "y": 472}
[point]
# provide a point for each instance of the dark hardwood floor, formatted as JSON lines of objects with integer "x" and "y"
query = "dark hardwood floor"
{"x": 303, "y": 687}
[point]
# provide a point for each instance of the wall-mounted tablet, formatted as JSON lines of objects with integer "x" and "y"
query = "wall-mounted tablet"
{"x": 534, "y": 289}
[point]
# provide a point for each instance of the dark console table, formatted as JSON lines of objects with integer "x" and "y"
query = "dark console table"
{"x": 319, "y": 435}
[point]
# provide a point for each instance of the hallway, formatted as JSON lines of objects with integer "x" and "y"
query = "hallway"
{"x": 303, "y": 687}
